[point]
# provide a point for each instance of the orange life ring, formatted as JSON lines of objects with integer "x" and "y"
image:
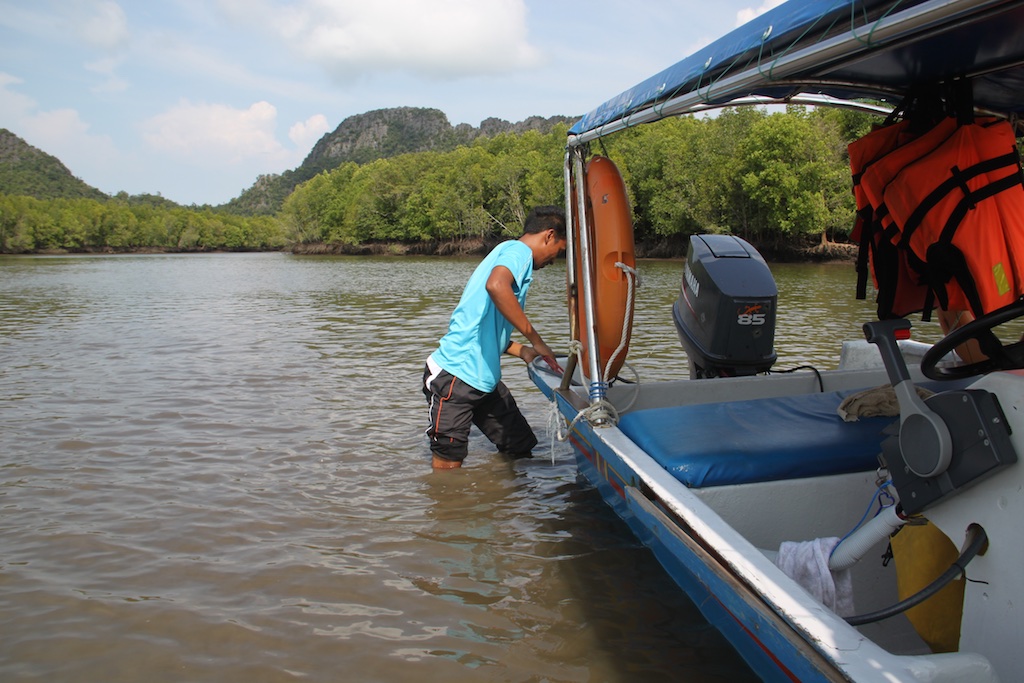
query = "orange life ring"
{"x": 611, "y": 242}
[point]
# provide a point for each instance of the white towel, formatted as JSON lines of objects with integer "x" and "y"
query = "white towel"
{"x": 806, "y": 562}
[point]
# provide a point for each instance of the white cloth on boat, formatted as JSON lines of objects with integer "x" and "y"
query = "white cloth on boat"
{"x": 874, "y": 402}
{"x": 806, "y": 562}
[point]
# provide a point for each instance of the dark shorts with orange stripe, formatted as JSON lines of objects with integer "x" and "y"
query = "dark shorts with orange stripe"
{"x": 455, "y": 406}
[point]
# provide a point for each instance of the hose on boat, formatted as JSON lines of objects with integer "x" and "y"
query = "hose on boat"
{"x": 858, "y": 540}
{"x": 855, "y": 544}
{"x": 976, "y": 541}
{"x": 821, "y": 384}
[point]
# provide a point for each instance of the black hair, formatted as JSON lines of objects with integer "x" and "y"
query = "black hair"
{"x": 543, "y": 218}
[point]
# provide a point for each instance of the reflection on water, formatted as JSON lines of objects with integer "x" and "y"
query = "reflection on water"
{"x": 212, "y": 469}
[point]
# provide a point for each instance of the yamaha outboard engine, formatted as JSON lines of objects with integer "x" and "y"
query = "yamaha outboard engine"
{"x": 725, "y": 314}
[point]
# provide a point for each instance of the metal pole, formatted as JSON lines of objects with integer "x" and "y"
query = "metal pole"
{"x": 845, "y": 48}
{"x": 572, "y": 287}
{"x": 598, "y": 387}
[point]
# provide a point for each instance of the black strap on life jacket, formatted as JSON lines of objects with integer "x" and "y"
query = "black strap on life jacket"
{"x": 944, "y": 261}
{"x": 961, "y": 100}
{"x": 864, "y": 223}
{"x": 958, "y": 181}
{"x": 890, "y": 273}
{"x": 887, "y": 267}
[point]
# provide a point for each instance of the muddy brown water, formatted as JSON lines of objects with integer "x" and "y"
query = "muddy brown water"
{"x": 212, "y": 468}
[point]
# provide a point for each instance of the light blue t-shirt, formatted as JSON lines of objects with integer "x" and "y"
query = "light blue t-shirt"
{"x": 477, "y": 333}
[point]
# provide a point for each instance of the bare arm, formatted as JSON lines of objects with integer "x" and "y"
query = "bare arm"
{"x": 527, "y": 353}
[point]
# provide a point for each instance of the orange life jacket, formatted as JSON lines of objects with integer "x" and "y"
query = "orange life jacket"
{"x": 959, "y": 209}
{"x": 877, "y": 176}
{"x": 897, "y": 283}
{"x": 869, "y": 149}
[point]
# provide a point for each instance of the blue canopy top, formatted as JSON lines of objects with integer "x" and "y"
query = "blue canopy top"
{"x": 846, "y": 49}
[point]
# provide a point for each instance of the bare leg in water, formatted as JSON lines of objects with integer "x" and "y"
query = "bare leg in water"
{"x": 442, "y": 464}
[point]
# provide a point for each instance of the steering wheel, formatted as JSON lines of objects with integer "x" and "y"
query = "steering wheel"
{"x": 1000, "y": 357}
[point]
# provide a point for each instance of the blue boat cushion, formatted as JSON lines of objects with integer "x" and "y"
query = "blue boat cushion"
{"x": 757, "y": 440}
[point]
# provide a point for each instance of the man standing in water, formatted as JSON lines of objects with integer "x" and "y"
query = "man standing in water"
{"x": 462, "y": 381}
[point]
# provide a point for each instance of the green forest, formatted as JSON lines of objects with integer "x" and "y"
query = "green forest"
{"x": 774, "y": 178}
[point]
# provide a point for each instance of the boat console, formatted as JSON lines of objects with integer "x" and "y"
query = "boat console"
{"x": 946, "y": 442}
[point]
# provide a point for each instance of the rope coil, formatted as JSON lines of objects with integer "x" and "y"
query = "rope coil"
{"x": 601, "y": 410}
{"x": 633, "y": 281}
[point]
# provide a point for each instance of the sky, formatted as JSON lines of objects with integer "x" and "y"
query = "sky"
{"x": 194, "y": 99}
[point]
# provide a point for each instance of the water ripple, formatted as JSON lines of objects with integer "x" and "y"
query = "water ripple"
{"x": 212, "y": 468}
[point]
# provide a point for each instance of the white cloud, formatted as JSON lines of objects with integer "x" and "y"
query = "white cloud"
{"x": 58, "y": 127}
{"x": 107, "y": 67}
{"x": 227, "y": 146}
{"x": 217, "y": 134}
{"x": 440, "y": 39}
{"x": 60, "y": 132}
{"x": 745, "y": 15}
{"x": 106, "y": 26}
{"x": 14, "y": 106}
{"x": 306, "y": 133}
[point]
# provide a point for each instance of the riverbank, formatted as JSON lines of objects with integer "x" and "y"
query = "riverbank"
{"x": 112, "y": 251}
{"x": 666, "y": 248}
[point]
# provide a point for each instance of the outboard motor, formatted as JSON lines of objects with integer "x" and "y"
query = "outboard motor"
{"x": 725, "y": 314}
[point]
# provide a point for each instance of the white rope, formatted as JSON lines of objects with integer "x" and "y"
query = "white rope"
{"x": 605, "y": 410}
{"x": 633, "y": 281}
{"x": 555, "y": 425}
{"x": 602, "y": 410}
{"x": 631, "y": 277}
{"x": 555, "y": 419}
{"x": 556, "y": 422}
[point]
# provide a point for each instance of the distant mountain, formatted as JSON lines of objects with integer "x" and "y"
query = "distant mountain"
{"x": 25, "y": 170}
{"x": 378, "y": 134}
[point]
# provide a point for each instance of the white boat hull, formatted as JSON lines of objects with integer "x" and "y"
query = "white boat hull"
{"x": 712, "y": 541}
